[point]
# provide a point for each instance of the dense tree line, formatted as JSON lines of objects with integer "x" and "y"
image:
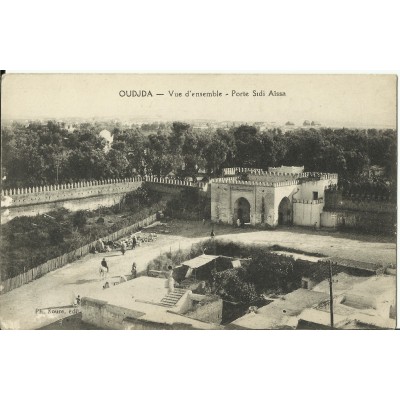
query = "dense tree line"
{"x": 40, "y": 154}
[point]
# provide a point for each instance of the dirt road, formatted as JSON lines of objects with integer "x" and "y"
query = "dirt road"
{"x": 18, "y": 308}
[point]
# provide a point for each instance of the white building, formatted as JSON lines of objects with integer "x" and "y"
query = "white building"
{"x": 271, "y": 198}
{"x": 105, "y": 134}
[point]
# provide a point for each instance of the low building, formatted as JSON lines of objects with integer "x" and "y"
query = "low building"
{"x": 199, "y": 267}
{"x": 144, "y": 303}
{"x": 282, "y": 313}
{"x": 359, "y": 303}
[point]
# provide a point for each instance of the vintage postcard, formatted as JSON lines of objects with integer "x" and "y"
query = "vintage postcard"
{"x": 198, "y": 201}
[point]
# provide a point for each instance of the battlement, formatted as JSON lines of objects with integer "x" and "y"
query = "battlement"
{"x": 309, "y": 175}
{"x": 236, "y": 181}
{"x": 275, "y": 175}
{"x": 276, "y": 179}
{"x": 290, "y": 169}
{"x": 233, "y": 171}
{"x": 90, "y": 184}
{"x": 300, "y": 201}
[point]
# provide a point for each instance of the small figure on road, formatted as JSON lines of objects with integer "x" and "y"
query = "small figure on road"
{"x": 134, "y": 242}
{"x": 315, "y": 226}
{"x": 103, "y": 269}
{"x": 104, "y": 264}
{"x": 78, "y": 300}
{"x": 106, "y": 285}
{"x": 123, "y": 248}
{"x": 212, "y": 234}
{"x": 133, "y": 271}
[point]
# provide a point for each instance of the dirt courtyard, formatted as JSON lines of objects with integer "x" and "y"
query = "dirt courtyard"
{"x": 19, "y": 308}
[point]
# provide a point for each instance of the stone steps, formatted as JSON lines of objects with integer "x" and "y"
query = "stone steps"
{"x": 172, "y": 298}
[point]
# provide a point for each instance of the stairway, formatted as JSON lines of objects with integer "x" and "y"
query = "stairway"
{"x": 172, "y": 298}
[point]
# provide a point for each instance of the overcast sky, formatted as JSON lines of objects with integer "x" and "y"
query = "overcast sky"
{"x": 342, "y": 100}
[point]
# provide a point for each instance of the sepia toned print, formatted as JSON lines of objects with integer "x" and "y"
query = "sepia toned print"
{"x": 198, "y": 201}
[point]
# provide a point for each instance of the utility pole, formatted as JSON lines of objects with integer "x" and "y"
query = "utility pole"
{"x": 331, "y": 292}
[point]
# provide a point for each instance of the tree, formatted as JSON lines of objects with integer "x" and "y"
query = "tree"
{"x": 230, "y": 285}
{"x": 117, "y": 163}
{"x": 79, "y": 219}
{"x": 193, "y": 151}
{"x": 216, "y": 152}
{"x": 248, "y": 149}
{"x": 159, "y": 159}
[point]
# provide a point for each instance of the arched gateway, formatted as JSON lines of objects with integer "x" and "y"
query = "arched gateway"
{"x": 242, "y": 210}
{"x": 285, "y": 212}
{"x": 269, "y": 199}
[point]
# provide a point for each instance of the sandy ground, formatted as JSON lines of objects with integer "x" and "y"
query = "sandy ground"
{"x": 18, "y": 308}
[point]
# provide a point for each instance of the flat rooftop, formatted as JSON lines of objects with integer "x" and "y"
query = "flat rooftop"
{"x": 346, "y": 318}
{"x": 374, "y": 286}
{"x": 342, "y": 283}
{"x": 142, "y": 296}
{"x": 370, "y": 293}
{"x": 282, "y": 312}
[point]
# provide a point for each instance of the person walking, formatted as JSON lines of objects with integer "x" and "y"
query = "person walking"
{"x": 133, "y": 271}
{"x": 134, "y": 242}
{"x": 170, "y": 280}
{"x": 123, "y": 248}
{"x": 104, "y": 264}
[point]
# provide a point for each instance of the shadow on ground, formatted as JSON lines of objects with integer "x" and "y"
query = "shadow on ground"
{"x": 83, "y": 281}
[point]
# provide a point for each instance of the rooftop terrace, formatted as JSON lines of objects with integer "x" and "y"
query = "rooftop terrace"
{"x": 141, "y": 299}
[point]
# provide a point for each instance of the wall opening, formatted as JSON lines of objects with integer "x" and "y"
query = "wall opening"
{"x": 285, "y": 212}
{"x": 242, "y": 210}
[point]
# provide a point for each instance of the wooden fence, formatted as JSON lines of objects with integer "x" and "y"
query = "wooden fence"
{"x": 55, "y": 263}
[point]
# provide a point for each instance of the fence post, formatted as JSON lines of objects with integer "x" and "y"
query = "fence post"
{"x": 60, "y": 261}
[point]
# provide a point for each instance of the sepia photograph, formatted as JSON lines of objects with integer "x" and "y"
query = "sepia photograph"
{"x": 198, "y": 201}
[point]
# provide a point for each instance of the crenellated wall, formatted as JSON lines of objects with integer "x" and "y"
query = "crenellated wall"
{"x": 67, "y": 192}
{"x": 279, "y": 174}
{"x": 232, "y": 171}
{"x": 84, "y": 195}
{"x": 373, "y": 215}
{"x": 79, "y": 190}
{"x": 335, "y": 201}
{"x": 285, "y": 168}
{"x": 274, "y": 198}
{"x": 368, "y": 222}
{"x": 264, "y": 200}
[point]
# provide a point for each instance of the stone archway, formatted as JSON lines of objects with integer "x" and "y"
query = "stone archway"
{"x": 285, "y": 212}
{"x": 242, "y": 210}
